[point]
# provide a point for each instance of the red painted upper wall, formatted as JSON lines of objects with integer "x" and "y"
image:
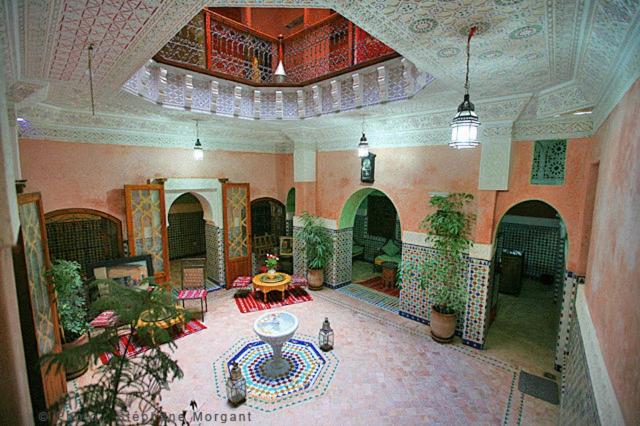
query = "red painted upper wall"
{"x": 613, "y": 272}
{"x": 273, "y": 21}
{"x": 93, "y": 176}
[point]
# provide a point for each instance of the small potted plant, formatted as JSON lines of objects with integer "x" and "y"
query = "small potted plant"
{"x": 448, "y": 229}
{"x": 319, "y": 245}
{"x": 71, "y": 303}
{"x": 272, "y": 263}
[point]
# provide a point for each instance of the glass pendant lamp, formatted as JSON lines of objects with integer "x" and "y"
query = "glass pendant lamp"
{"x": 464, "y": 126}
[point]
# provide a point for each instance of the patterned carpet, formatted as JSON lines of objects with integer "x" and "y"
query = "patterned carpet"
{"x": 134, "y": 349}
{"x": 372, "y": 297}
{"x": 377, "y": 283}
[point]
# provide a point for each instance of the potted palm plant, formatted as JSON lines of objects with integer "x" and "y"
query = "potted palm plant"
{"x": 70, "y": 298}
{"x": 319, "y": 247}
{"x": 448, "y": 228}
{"x": 123, "y": 387}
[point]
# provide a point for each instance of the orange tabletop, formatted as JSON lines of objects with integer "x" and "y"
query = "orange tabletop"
{"x": 266, "y": 287}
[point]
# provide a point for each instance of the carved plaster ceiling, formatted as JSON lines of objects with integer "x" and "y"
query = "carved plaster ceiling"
{"x": 531, "y": 60}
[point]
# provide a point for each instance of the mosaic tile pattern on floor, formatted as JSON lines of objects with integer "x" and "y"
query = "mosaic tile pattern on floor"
{"x": 310, "y": 376}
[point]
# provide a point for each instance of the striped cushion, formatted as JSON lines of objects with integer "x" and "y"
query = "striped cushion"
{"x": 241, "y": 282}
{"x": 105, "y": 319}
{"x": 199, "y": 293}
{"x": 298, "y": 280}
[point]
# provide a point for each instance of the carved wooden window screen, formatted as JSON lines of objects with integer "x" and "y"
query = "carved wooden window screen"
{"x": 549, "y": 162}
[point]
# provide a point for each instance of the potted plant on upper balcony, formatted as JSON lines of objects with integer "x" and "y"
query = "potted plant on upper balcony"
{"x": 448, "y": 229}
{"x": 71, "y": 303}
{"x": 319, "y": 245}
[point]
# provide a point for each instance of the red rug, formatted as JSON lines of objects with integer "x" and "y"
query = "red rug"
{"x": 253, "y": 303}
{"x": 134, "y": 349}
{"x": 376, "y": 283}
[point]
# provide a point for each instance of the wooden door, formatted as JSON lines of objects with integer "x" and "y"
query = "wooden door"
{"x": 147, "y": 226}
{"x": 237, "y": 230}
{"x": 37, "y": 304}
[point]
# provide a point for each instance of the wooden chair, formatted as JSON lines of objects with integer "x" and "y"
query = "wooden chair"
{"x": 194, "y": 279}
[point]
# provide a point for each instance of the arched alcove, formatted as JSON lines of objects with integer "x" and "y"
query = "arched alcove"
{"x": 86, "y": 236}
{"x": 376, "y": 242}
{"x": 528, "y": 299}
{"x": 186, "y": 224}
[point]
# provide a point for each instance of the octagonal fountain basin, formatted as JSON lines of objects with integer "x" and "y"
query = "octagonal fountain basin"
{"x": 275, "y": 328}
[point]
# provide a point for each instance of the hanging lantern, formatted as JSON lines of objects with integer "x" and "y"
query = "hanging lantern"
{"x": 280, "y": 74}
{"x": 198, "y": 153}
{"x": 363, "y": 147}
{"x": 464, "y": 126}
{"x": 325, "y": 337}
{"x": 236, "y": 386}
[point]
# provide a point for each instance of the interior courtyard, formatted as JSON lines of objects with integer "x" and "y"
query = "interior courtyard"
{"x": 316, "y": 212}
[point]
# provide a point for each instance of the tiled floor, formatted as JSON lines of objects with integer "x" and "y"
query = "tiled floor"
{"x": 389, "y": 372}
{"x": 525, "y": 329}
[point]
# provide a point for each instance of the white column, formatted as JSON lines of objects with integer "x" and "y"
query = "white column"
{"x": 495, "y": 158}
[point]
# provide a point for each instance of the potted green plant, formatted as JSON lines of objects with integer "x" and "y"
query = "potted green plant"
{"x": 448, "y": 228}
{"x": 72, "y": 314}
{"x": 124, "y": 386}
{"x": 319, "y": 247}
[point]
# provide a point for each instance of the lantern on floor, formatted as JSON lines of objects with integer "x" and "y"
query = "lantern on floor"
{"x": 236, "y": 386}
{"x": 325, "y": 337}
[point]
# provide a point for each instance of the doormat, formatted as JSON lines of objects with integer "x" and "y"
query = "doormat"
{"x": 134, "y": 349}
{"x": 372, "y": 297}
{"x": 253, "y": 303}
{"x": 377, "y": 283}
{"x": 541, "y": 388}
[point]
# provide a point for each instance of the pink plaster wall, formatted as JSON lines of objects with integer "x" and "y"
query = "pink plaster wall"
{"x": 613, "y": 271}
{"x": 405, "y": 175}
{"x": 568, "y": 199}
{"x": 70, "y": 174}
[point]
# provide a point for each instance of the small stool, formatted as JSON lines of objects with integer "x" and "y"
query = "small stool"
{"x": 243, "y": 285}
{"x": 104, "y": 320}
{"x": 389, "y": 274}
{"x": 195, "y": 294}
{"x": 298, "y": 281}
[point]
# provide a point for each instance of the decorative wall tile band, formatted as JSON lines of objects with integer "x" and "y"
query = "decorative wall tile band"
{"x": 214, "y": 242}
{"x": 567, "y": 314}
{"x": 299, "y": 254}
{"x": 338, "y": 269}
{"x": 577, "y": 400}
{"x": 415, "y": 302}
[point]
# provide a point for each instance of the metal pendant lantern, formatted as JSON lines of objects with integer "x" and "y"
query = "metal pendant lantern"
{"x": 363, "y": 147}
{"x": 464, "y": 126}
{"x": 325, "y": 337}
{"x": 198, "y": 153}
{"x": 280, "y": 74}
{"x": 236, "y": 386}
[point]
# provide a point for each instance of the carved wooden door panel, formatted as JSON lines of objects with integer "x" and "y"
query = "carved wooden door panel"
{"x": 37, "y": 304}
{"x": 237, "y": 230}
{"x": 147, "y": 226}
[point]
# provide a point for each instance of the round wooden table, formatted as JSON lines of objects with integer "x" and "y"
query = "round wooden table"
{"x": 167, "y": 321}
{"x": 266, "y": 287}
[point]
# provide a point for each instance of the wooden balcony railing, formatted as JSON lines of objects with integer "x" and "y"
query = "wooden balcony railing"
{"x": 215, "y": 45}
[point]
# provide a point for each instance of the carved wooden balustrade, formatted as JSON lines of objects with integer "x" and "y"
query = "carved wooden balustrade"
{"x": 213, "y": 44}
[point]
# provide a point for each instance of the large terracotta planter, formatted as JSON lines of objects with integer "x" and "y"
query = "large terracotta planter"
{"x": 443, "y": 326}
{"x": 75, "y": 371}
{"x": 316, "y": 278}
